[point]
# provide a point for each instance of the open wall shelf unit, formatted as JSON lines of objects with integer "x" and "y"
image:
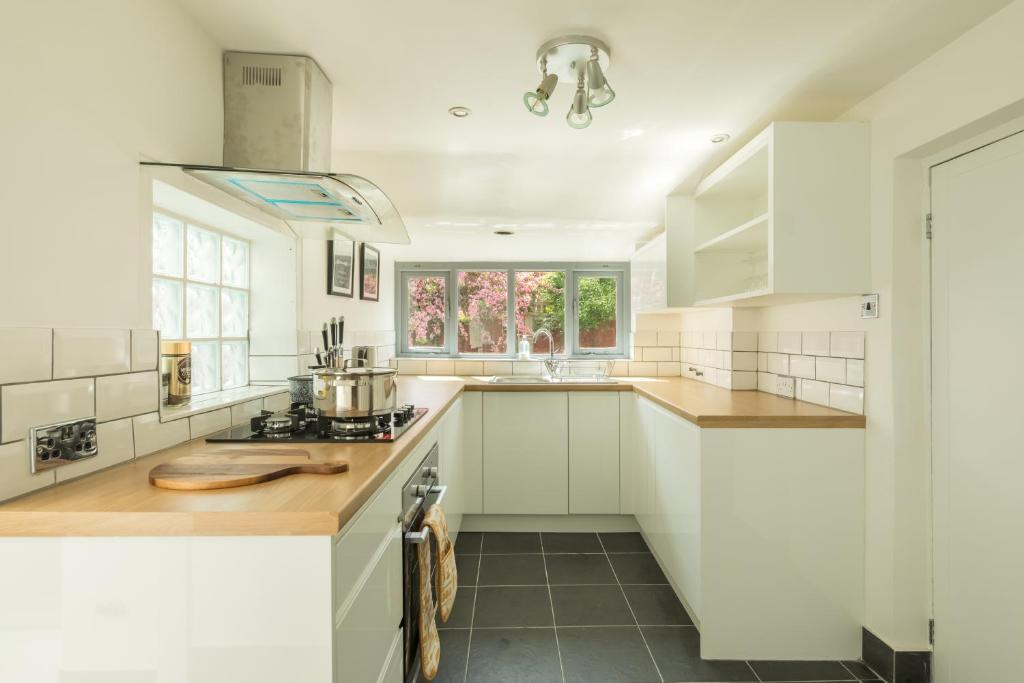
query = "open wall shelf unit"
{"x": 784, "y": 219}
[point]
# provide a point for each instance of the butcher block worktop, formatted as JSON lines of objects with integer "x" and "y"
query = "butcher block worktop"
{"x": 120, "y": 501}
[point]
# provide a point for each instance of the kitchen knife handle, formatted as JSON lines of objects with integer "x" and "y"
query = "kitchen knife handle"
{"x": 323, "y": 333}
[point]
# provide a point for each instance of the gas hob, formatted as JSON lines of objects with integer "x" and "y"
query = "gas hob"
{"x": 301, "y": 424}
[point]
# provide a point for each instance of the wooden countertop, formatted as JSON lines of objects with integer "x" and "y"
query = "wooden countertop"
{"x": 119, "y": 501}
{"x": 703, "y": 404}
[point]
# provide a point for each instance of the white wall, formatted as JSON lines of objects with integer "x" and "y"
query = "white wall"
{"x": 91, "y": 89}
{"x": 971, "y": 85}
{"x": 318, "y": 306}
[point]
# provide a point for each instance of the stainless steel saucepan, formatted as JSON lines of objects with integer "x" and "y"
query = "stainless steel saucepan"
{"x": 355, "y": 392}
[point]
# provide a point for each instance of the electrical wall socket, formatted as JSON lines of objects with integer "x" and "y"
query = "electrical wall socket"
{"x": 785, "y": 386}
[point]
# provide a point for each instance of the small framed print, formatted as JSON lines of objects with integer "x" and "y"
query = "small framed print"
{"x": 369, "y": 283}
{"x": 341, "y": 267}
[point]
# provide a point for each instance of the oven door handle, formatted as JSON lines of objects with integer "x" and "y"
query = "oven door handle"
{"x": 421, "y": 536}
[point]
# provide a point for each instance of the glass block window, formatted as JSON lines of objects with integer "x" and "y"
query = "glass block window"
{"x": 201, "y": 294}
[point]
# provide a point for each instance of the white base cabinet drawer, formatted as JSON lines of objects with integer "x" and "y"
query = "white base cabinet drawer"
{"x": 365, "y": 626}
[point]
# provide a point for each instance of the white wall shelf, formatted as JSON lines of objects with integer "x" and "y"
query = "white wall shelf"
{"x": 784, "y": 219}
{"x": 752, "y": 236}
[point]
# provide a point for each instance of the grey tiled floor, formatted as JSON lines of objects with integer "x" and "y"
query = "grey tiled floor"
{"x": 585, "y": 608}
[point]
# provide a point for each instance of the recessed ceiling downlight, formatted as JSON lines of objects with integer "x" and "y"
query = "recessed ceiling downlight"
{"x": 503, "y": 233}
{"x": 719, "y": 138}
{"x": 460, "y": 112}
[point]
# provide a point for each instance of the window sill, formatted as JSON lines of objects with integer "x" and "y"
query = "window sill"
{"x": 217, "y": 400}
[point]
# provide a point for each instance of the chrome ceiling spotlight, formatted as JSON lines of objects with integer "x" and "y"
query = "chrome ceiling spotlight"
{"x": 537, "y": 101}
{"x": 579, "y": 115}
{"x": 581, "y": 58}
{"x": 600, "y": 92}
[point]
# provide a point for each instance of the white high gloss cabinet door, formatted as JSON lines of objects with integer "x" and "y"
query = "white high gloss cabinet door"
{"x": 594, "y": 452}
{"x": 452, "y": 465}
{"x": 526, "y": 453}
{"x": 472, "y": 453}
{"x": 677, "y": 499}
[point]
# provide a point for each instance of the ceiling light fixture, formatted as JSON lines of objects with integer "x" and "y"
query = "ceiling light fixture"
{"x": 581, "y": 58}
{"x": 460, "y": 112}
{"x": 721, "y": 137}
{"x": 503, "y": 233}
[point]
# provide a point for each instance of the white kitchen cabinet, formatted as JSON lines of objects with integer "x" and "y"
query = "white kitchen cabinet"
{"x": 677, "y": 500}
{"x": 472, "y": 453}
{"x": 452, "y": 465}
{"x": 760, "y": 531}
{"x": 783, "y": 219}
{"x": 526, "y": 453}
{"x": 594, "y": 452}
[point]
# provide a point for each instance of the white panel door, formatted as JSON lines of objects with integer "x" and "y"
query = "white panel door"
{"x": 977, "y": 430}
{"x": 472, "y": 453}
{"x": 594, "y": 452}
{"x": 452, "y": 466}
{"x": 526, "y": 453}
{"x": 643, "y": 474}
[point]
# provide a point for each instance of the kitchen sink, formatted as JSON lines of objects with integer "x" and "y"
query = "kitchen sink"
{"x": 519, "y": 379}
{"x": 544, "y": 379}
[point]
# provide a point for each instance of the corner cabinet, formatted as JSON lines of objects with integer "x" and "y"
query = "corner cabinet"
{"x": 786, "y": 218}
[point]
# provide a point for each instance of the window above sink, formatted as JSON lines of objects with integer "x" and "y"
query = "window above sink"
{"x": 482, "y": 309}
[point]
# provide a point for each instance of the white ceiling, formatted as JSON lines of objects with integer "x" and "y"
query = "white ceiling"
{"x": 682, "y": 69}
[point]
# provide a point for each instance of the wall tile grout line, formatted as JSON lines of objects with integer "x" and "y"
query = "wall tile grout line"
{"x": 630, "y": 606}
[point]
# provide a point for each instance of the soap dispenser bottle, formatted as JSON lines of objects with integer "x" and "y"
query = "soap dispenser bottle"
{"x": 524, "y": 348}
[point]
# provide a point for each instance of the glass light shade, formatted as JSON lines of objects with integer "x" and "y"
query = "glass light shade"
{"x": 579, "y": 115}
{"x": 600, "y": 92}
{"x": 535, "y": 103}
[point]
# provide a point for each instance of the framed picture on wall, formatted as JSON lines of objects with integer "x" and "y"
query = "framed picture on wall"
{"x": 369, "y": 283}
{"x": 341, "y": 267}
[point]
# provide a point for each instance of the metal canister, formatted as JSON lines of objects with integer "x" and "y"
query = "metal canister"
{"x": 176, "y": 372}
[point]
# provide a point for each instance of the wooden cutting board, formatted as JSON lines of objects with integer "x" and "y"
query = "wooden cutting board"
{"x": 238, "y": 467}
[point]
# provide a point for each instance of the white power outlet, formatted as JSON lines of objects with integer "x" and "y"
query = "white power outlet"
{"x": 785, "y": 386}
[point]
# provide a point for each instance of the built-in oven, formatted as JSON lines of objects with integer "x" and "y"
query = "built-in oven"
{"x": 422, "y": 490}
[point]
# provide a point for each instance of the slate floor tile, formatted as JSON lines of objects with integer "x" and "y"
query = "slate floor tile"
{"x": 462, "y": 610}
{"x": 637, "y": 568}
{"x": 466, "y": 567}
{"x": 676, "y": 649}
{"x": 512, "y": 570}
{"x": 516, "y": 655}
{"x": 452, "y": 667}
{"x": 610, "y": 654}
{"x": 792, "y": 672}
{"x": 656, "y": 606}
{"x": 468, "y": 543}
{"x": 502, "y": 543}
{"x": 590, "y": 606}
{"x": 571, "y": 543}
{"x": 631, "y": 542}
{"x": 578, "y": 569}
{"x": 512, "y": 606}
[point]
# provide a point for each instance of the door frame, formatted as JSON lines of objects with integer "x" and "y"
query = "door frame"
{"x": 935, "y": 516}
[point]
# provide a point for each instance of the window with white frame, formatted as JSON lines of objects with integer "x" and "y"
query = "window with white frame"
{"x": 201, "y": 295}
{"x": 482, "y": 309}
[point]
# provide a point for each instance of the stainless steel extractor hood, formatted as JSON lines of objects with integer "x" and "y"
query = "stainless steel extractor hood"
{"x": 277, "y": 140}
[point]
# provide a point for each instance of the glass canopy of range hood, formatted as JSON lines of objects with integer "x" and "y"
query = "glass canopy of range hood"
{"x": 315, "y": 205}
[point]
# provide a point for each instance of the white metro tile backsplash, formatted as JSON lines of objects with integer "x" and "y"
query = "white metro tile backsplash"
{"x": 23, "y": 406}
{"x": 83, "y": 352}
{"x": 27, "y": 354}
{"x": 802, "y": 366}
{"x": 152, "y": 435}
{"x": 54, "y": 375}
{"x": 850, "y": 399}
{"x": 16, "y": 477}
{"x": 830, "y": 370}
{"x": 243, "y": 412}
{"x": 120, "y": 396}
{"x": 790, "y": 342}
{"x": 847, "y": 344}
{"x": 145, "y": 350}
